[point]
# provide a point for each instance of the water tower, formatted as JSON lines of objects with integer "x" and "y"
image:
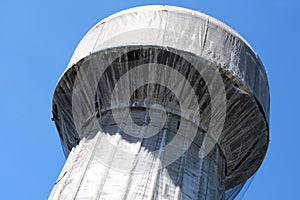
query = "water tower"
{"x": 161, "y": 102}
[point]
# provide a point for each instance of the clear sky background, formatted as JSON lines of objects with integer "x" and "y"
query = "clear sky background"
{"x": 38, "y": 37}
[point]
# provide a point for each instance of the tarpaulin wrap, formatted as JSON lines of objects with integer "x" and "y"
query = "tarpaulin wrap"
{"x": 160, "y": 34}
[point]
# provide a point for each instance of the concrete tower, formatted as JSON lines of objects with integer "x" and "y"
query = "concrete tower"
{"x": 161, "y": 102}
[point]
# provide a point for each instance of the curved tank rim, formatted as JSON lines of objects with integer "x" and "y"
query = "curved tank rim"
{"x": 166, "y": 8}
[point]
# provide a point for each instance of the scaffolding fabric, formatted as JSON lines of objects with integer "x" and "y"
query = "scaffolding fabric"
{"x": 168, "y": 71}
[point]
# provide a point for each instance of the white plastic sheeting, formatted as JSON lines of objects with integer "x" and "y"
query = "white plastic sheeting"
{"x": 139, "y": 71}
{"x": 93, "y": 171}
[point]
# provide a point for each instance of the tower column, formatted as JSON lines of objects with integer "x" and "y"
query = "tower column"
{"x": 116, "y": 165}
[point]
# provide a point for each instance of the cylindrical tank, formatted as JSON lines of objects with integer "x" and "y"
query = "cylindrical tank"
{"x": 161, "y": 102}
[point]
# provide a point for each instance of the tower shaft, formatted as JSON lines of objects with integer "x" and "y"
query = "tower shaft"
{"x": 115, "y": 165}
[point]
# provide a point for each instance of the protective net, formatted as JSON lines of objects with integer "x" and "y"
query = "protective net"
{"x": 161, "y": 102}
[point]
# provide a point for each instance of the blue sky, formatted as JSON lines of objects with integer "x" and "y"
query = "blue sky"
{"x": 37, "y": 39}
